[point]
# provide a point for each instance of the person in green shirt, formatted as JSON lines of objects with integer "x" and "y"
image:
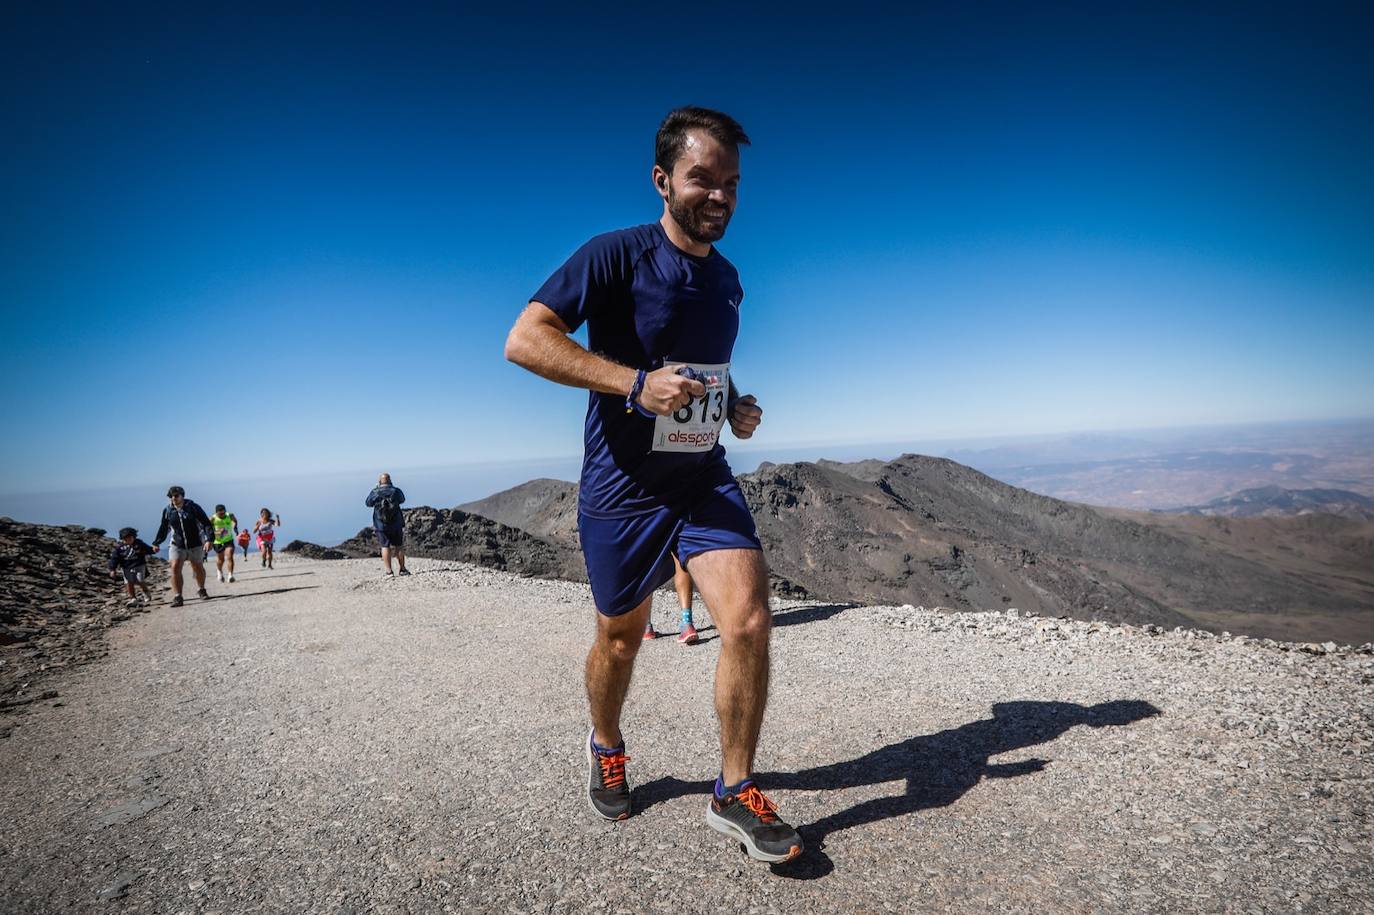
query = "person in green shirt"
{"x": 225, "y": 527}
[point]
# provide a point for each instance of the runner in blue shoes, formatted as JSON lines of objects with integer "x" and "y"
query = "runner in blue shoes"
{"x": 662, "y": 309}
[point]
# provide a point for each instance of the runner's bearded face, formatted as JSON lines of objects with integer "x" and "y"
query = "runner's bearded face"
{"x": 703, "y": 187}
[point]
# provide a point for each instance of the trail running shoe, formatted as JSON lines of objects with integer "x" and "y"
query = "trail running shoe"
{"x": 687, "y": 634}
{"x": 752, "y": 818}
{"x": 133, "y": 602}
{"x": 221, "y": 577}
{"x": 203, "y": 594}
{"x": 649, "y": 632}
{"x": 405, "y": 571}
{"x": 177, "y": 601}
{"x": 608, "y": 792}
{"x": 231, "y": 578}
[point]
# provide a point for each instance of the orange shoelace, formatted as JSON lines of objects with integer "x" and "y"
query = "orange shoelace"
{"x": 613, "y": 769}
{"x": 758, "y": 805}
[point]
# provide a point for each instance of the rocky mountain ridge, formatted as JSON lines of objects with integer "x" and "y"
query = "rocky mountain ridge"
{"x": 451, "y": 533}
{"x": 543, "y": 507}
{"x": 1276, "y": 501}
{"x": 929, "y": 530}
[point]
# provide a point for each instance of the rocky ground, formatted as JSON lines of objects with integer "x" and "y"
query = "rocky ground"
{"x": 319, "y": 739}
{"x": 58, "y": 599}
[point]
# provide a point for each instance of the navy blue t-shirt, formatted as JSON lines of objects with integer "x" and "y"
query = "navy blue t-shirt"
{"x": 645, "y": 302}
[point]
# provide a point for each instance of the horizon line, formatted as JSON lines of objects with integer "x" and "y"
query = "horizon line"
{"x": 743, "y": 449}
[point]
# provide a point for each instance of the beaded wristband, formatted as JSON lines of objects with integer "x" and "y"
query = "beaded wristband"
{"x": 632, "y": 402}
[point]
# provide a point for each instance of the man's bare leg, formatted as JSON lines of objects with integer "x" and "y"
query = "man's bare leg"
{"x": 198, "y": 570}
{"x": 401, "y": 558}
{"x": 682, "y": 584}
{"x": 610, "y": 662}
{"x": 176, "y": 577}
{"x": 734, "y": 584}
{"x": 386, "y": 558}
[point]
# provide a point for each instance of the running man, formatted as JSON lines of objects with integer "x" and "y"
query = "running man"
{"x": 190, "y": 527}
{"x": 226, "y": 526}
{"x": 661, "y": 306}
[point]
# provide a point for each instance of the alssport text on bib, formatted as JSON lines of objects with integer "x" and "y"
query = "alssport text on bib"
{"x": 696, "y": 427}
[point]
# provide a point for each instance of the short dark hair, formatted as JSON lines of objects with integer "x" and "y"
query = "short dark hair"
{"x": 220, "y": 508}
{"x": 127, "y": 532}
{"x": 672, "y": 133}
{"x": 175, "y": 491}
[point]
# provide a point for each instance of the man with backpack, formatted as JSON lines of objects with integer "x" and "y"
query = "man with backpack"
{"x": 385, "y": 501}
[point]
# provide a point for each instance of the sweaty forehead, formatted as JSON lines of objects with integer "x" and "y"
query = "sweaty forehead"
{"x": 701, "y": 150}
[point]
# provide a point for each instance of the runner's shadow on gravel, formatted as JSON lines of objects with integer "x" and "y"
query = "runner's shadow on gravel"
{"x": 938, "y": 769}
{"x": 809, "y": 614}
{"x": 259, "y": 573}
{"x": 790, "y": 618}
{"x": 220, "y": 597}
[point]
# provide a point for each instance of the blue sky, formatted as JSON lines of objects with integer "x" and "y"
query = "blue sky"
{"x": 249, "y": 245}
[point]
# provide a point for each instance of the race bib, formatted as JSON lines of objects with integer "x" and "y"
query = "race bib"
{"x": 696, "y": 427}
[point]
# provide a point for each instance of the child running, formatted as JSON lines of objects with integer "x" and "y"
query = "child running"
{"x": 131, "y": 556}
{"x": 225, "y": 527}
{"x": 266, "y": 529}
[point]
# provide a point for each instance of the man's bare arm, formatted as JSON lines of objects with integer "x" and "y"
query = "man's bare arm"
{"x": 539, "y": 342}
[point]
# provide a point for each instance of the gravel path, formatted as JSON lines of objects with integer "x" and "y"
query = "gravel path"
{"x": 318, "y": 739}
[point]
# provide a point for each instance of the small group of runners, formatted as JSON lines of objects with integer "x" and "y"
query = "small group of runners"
{"x": 193, "y": 535}
{"x": 662, "y": 310}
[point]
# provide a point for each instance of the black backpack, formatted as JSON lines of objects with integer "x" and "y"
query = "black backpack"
{"x": 387, "y": 512}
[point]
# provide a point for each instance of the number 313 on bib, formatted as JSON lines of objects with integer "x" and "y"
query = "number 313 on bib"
{"x": 696, "y": 426}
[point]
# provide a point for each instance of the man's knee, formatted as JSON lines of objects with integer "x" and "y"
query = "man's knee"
{"x": 750, "y": 626}
{"x": 621, "y": 636}
{"x": 619, "y": 644}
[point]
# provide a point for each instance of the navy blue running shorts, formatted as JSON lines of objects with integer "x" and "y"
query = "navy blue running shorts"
{"x": 390, "y": 536}
{"x": 627, "y": 558}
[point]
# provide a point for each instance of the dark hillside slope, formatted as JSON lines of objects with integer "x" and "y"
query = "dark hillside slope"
{"x": 929, "y": 530}
{"x": 449, "y": 533}
{"x": 543, "y": 507}
{"x": 933, "y": 532}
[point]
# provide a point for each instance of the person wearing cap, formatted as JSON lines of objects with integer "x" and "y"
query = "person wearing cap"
{"x": 130, "y": 556}
{"x": 189, "y": 528}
